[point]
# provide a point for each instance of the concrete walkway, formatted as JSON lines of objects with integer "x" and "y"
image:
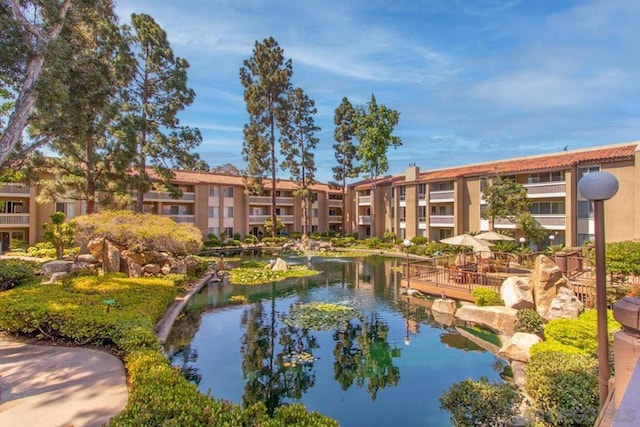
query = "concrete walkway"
{"x": 43, "y": 386}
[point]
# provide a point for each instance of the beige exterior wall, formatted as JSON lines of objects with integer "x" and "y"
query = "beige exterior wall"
{"x": 620, "y": 209}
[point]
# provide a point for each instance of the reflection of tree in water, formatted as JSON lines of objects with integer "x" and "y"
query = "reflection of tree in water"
{"x": 183, "y": 359}
{"x": 363, "y": 355}
{"x": 178, "y": 344}
{"x": 273, "y": 375}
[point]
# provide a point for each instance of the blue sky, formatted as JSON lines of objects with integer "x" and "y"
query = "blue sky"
{"x": 473, "y": 80}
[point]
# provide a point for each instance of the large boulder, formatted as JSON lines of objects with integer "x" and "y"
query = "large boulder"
{"x": 518, "y": 347}
{"x": 565, "y": 305}
{"x": 151, "y": 269}
{"x": 498, "y": 319}
{"x": 280, "y": 265}
{"x": 129, "y": 267}
{"x": 110, "y": 257}
{"x": 546, "y": 279}
{"x": 140, "y": 258}
{"x": 444, "y": 306}
{"x": 516, "y": 292}
{"x": 49, "y": 268}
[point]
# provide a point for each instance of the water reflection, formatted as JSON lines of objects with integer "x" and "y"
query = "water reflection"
{"x": 354, "y": 372}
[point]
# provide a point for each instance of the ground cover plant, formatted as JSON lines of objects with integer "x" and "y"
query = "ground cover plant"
{"x": 15, "y": 272}
{"x": 75, "y": 311}
{"x": 258, "y": 273}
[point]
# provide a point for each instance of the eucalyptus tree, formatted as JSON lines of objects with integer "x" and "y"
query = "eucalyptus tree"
{"x": 266, "y": 77}
{"x": 77, "y": 113}
{"x": 226, "y": 169}
{"x": 345, "y": 119}
{"x": 505, "y": 198}
{"x": 374, "y": 130}
{"x": 28, "y": 29}
{"x": 297, "y": 143}
{"x": 149, "y": 127}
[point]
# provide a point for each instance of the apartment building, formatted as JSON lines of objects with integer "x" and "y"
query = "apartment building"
{"x": 445, "y": 202}
{"x": 216, "y": 204}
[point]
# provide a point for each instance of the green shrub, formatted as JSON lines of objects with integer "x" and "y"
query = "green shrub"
{"x": 480, "y": 403}
{"x": 419, "y": 240}
{"x": 140, "y": 232}
{"x": 44, "y": 250}
{"x": 295, "y": 235}
{"x": 529, "y": 321}
{"x": 564, "y": 388}
{"x": 580, "y": 333}
{"x": 14, "y": 272}
{"x": 485, "y": 297}
{"x": 212, "y": 241}
{"x": 389, "y": 237}
{"x": 343, "y": 242}
{"x": 555, "y": 346}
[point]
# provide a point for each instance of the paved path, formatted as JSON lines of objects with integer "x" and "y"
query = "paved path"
{"x": 42, "y": 386}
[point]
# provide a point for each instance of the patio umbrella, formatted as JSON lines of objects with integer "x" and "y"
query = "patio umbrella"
{"x": 467, "y": 240}
{"x": 492, "y": 235}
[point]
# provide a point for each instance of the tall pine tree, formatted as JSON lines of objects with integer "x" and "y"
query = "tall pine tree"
{"x": 375, "y": 133}
{"x": 266, "y": 77}
{"x": 150, "y": 128}
{"x": 345, "y": 119}
{"x": 297, "y": 143}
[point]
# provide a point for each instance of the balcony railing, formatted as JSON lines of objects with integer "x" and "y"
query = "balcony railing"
{"x": 266, "y": 200}
{"x": 14, "y": 189}
{"x": 334, "y": 202}
{"x": 14, "y": 219}
{"x": 183, "y": 218}
{"x": 335, "y": 218}
{"x": 258, "y": 219}
{"x": 160, "y": 196}
{"x": 364, "y": 220}
{"x": 441, "y": 220}
{"x": 547, "y": 189}
{"x": 441, "y": 196}
{"x": 543, "y": 220}
{"x": 286, "y": 219}
{"x": 364, "y": 200}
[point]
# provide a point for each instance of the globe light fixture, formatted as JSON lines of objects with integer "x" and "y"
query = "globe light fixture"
{"x": 598, "y": 187}
{"x": 551, "y": 239}
{"x": 522, "y": 241}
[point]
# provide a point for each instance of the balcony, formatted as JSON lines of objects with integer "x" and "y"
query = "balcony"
{"x": 364, "y": 201}
{"x": 266, "y": 200}
{"x": 364, "y": 220}
{"x": 13, "y": 219}
{"x": 335, "y": 218}
{"x": 159, "y": 196}
{"x": 258, "y": 219}
{"x": 190, "y": 219}
{"x": 557, "y": 222}
{"x": 441, "y": 220}
{"x": 547, "y": 189}
{"x": 441, "y": 196}
{"x": 335, "y": 203}
{"x": 14, "y": 189}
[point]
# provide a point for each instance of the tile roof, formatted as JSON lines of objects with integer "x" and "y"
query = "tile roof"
{"x": 561, "y": 160}
{"x": 196, "y": 177}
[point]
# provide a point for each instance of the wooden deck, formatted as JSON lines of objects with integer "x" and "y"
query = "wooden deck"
{"x": 451, "y": 282}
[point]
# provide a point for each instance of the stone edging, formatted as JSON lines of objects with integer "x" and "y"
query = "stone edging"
{"x": 163, "y": 326}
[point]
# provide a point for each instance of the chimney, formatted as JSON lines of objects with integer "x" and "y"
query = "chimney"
{"x": 412, "y": 172}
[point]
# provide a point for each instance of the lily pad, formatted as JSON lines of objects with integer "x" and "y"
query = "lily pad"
{"x": 320, "y": 316}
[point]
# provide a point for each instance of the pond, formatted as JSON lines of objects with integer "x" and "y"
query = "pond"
{"x": 387, "y": 364}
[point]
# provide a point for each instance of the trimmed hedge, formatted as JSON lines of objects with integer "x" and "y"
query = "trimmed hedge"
{"x": 15, "y": 272}
{"x": 581, "y": 333}
{"x": 158, "y": 393}
{"x": 564, "y": 388}
{"x": 486, "y": 297}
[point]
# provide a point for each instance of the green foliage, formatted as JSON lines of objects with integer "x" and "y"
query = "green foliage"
{"x": 212, "y": 241}
{"x": 376, "y": 243}
{"x": 555, "y": 346}
{"x": 506, "y": 246}
{"x": 250, "y": 240}
{"x": 268, "y": 225}
{"x": 485, "y": 297}
{"x": 343, "y": 242}
{"x": 419, "y": 240}
{"x": 480, "y": 403}
{"x": 529, "y": 321}
{"x": 14, "y": 272}
{"x": 320, "y": 316}
{"x": 274, "y": 241}
{"x": 140, "y": 232}
{"x": 44, "y": 250}
{"x": 60, "y": 234}
{"x": 622, "y": 257}
{"x": 389, "y": 237}
{"x": 563, "y": 387}
{"x": 580, "y": 333}
{"x": 531, "y": 228}
{"x": 257, "y": 275}
{"x": 505, "y": 199}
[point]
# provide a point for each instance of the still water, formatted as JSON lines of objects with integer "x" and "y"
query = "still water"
{"x": 386, "y": 367}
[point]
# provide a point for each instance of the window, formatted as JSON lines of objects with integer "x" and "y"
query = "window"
{"x": 228, "y": 212}
{"x": 585, "y": 209}
{"x": 214, "y": 191}
{"x": 67, "y": 208}
{"x": 393, "y": 212}
{"x": 402, "y": 193}
{"x": 214, "y": 212}
{"x": 228, "y": 231}
{"x": 556, "y": 176}
{"x": 587, "y": 169}
{"x": 442, "y": 186}
{"x": 484, "y": 181}
{"x": 444, "y": 233}
{"x": 335, "y": 196}
{"x": 228, "y": 191}
{"x": 422, "y": 213}
{"x": 547, "y": 208}
{"x": 214, "y": 230}
{"x": 582, "y": 238}
{"x": 441, "y": 210}
{"x": 314, "y": 213}
{"x": 402, "y": 214}
{"x": 334, "y": 212}
{"x": 422, "y": 191}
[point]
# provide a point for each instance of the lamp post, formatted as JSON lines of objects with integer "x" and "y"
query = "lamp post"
{"x": 406, "y": 244}
{"x": 522, "y": 240}
{"x": 551, "y": 239}
{"x": 598, "y": 187}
